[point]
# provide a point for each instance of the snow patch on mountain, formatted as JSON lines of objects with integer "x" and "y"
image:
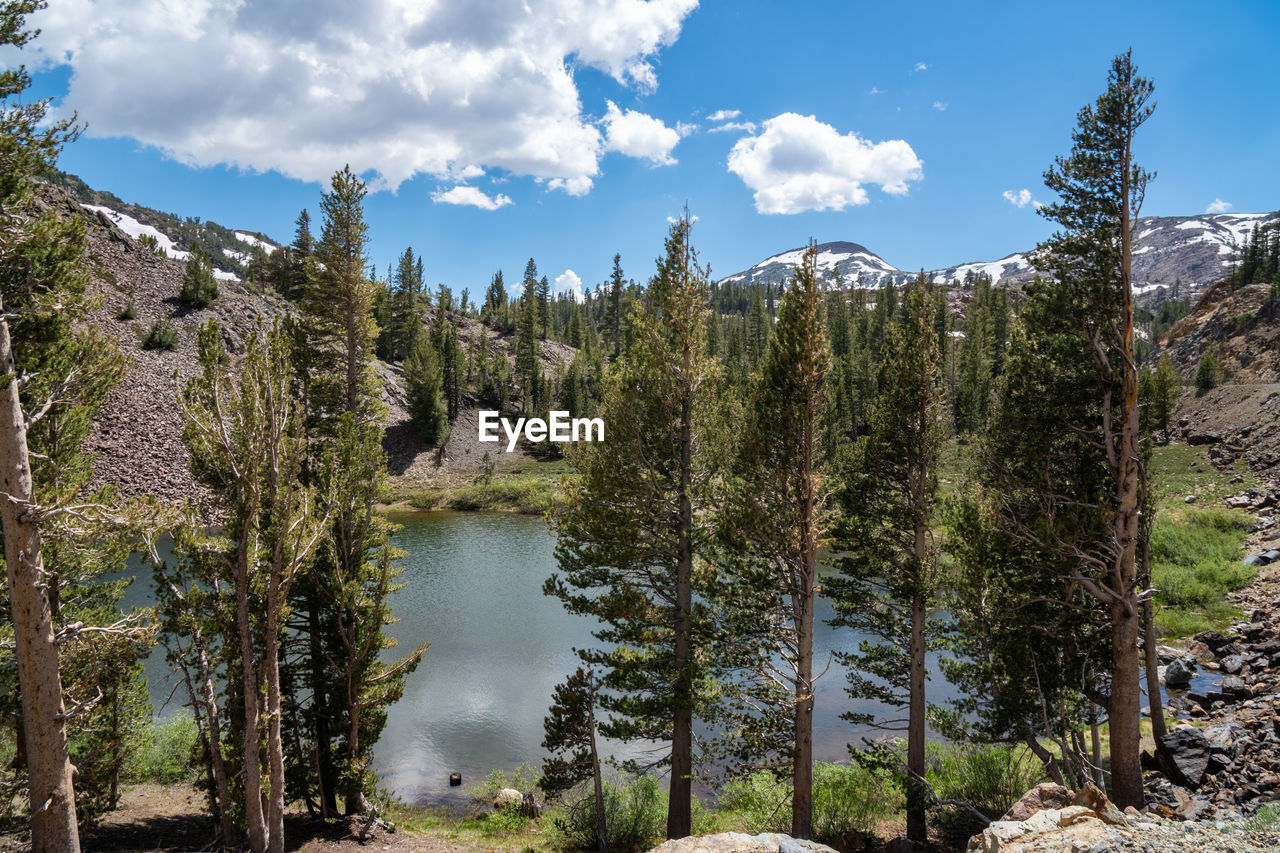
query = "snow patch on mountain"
{"x": 256, "y": 242}
{"x": 136, "y": 229}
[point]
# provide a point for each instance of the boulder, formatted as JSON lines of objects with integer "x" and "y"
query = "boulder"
{"x": 1044, "y": 796}
{"x": 1183, "y": 754}
{"x": 738, "y": 842}
{"x": 1232, "y": 664}
{"x": 508, "y": 798}
{"x": 1091, "y": 796}
{"x": 1177, "y": 673}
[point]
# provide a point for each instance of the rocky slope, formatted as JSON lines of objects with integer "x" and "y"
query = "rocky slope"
{"x": 137, "y": 437}
{"x": 1242, "y": 324}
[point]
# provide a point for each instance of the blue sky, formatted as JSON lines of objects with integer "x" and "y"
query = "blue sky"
{"x": 585, "y": 124}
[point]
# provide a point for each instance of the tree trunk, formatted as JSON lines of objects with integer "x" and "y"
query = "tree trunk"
{"x": 917, "y": 825}
{"x": 680, "y": 798}
{"x": 254, "y": 818}
{"x": 1155, "y": 700}
{"x": 275, "y": 740}
{"x": 602, "y": 834}
{"x": 49, "y": 770}
{"x": 1126, "y": 690}
{"x": 210, "y": 699}
{"x": 325, "y": 782}
{"x": 1125, "y": 710}
{"x": 802, "y": 760}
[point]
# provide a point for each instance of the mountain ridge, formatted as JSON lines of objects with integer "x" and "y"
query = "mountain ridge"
{"x": 1198, "y": 250}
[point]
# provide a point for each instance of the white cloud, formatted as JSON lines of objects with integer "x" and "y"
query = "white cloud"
{"x": 471, "y": 196}
{"x": 693, "y": 217}
{"x": 939, "y": 106}
{"x": 569, "y": 282}
{"x": 398, "y": 88}
{"x": 638, "y": 135}
{"x": 799, "y": 163}
{"x": 724, "y": 115}
{"x": 1020, "y": 198}
{"x": 730, "y": 126}
{"x": 875, "y": 90}
{"x": 920, "y": 66}
{"x": 1218, "y": 206}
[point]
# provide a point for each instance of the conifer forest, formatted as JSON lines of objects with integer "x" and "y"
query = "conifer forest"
{"x": 1006, "y": 532}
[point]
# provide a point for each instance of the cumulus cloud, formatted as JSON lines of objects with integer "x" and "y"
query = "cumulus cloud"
{"x": 471, "y": 196}
{"x": 1218, "y": 206}
{"x": 730, "y": 126}
{"x": 920, "y": 66}
{"x": 724, "y": 115}
{"x": 798, "y": 163}
{"x": 1020, "y": 198}
{"x": 638, "y": 135}
{"x": 569, "y": 282}
{"x": 939, "y": 106}
{"x": 302, "y": 87}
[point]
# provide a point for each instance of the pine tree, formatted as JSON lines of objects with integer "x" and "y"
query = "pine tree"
{"x": 570, "y": 729}
{"x": 633, "y": 523}
{"x": 343, "y": 600}
{"x": 773, "y": 518}
{"x": 886, "y": 489}
{"x": 544, "y": 307}
{"x": 404, "y": 323}
{"x": 613, "y": 306}
{"x": 424, "y": 387}
{"x": 247, "y": 441}
{"x": 528, "y": 371}
{"x": 1101, "y": 191}
{"x": 199, "y": 287}
{"x": 39, "y": 266}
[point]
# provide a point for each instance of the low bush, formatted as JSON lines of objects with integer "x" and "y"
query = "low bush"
{"x": 162, "y": 335}
{"x": 167, "y": 752}
{"x": 844, "y": 797}
{"x": 635, "y": 814}
{"x": 989, "y": 778}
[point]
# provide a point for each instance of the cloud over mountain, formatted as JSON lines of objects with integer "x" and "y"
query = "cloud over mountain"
{"x": 797, "y": 163}
{"x": 303, "y": 86}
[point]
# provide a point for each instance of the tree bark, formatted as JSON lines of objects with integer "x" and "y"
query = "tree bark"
{"x": 49, "y": 770}
{"x": 254, "y": 817}
{"x": 917, "y": 825}
{"x": 210, "y": 699}
{"x": 275, "y": 740}
{"x": 680, "y": 797}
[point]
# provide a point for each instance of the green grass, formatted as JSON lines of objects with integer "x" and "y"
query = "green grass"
{"x": 1196, "y": 549}
{"x": 528, "y": 494}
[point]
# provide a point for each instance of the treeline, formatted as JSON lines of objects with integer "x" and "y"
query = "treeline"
{"x": 693, "y": 536}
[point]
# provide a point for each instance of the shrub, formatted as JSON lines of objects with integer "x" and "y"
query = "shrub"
{"x": 844, "y": 797}
{"x": 130, "y": 311}
{"x": 162, "y": 335}
{"x": 166, "y": 752}
{"x": 1207, "y": 371}
{"x": 634, "y": 814}
{"x": 989, "y": 778}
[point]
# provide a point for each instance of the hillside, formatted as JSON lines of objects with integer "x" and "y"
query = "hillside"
{"x": 137, "y": 437}
{"x": 1243, "y": 325}
{"x": 1195, "y": 249}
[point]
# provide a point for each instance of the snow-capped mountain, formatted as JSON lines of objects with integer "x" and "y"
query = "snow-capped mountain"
{"x": 848, "y": 260}
{"x": 1196, "y": 249}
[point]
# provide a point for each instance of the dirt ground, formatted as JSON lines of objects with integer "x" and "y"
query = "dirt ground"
{"x": 172, "y": 819}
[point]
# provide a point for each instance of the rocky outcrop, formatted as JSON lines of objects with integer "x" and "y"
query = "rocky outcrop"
{"x": 737, "y": 842}
{"x": 1090, "y": 822}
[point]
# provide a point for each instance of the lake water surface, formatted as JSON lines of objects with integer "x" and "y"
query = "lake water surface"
{"x": 498, "y": 647}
